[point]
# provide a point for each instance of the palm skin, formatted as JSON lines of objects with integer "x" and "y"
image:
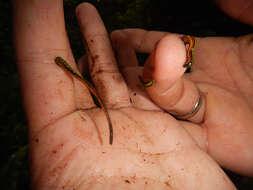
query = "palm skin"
{"x": 69, "y": 138}
{"x": 225, "y": 74}
{"x": 145, "y": 154}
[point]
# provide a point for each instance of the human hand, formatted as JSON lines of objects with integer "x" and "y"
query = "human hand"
{"x": 222, "y": 72}
{"x": 68, "y": 134}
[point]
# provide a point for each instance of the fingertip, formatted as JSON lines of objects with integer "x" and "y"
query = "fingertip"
{"x": 119, "y": 39}
{"x": 90, "y": 21}
{"x": 87, "y": 14}
{"x": 169, "y": 58}
{"x": 83, "y": 6}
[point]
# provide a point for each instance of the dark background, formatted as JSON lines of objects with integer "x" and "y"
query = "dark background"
{"x": 199, "y": 19}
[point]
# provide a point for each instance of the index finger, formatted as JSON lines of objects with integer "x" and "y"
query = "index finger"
{"x": 39, "y": 36}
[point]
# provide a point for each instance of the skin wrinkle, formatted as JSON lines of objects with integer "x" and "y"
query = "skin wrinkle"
{"x": 227, "y": 69}
{"x": 140, "y": 109}
{"x": 130, "y": 118}
{"x": 66, "y": 159}
{"x": 126, "y": 115}
{"x": 248, "y": 67}
{"x": 124, "y": 178}
{"x": 235, "y": 83}
{"x": 74, "y": 148}
{"x": 243, "y": 66}
{"x": 204, "y": 94}
{"x": 92, "y": 37}
{"x": 55, "y": 168}
{"x": 148, "y": 156}
{"x": 97, "y": 129}
{"x": 52, "y": 171}
{"x": 152, "y": 157}
{"x": 98, "y": 157}
{"x": 241, "y": 47}
{"x": 35, "y": 55}
{"x": 98, "y": 71}
{"x": 205, "y": 132}
{"x": 208, "y": 75}
{"x": 144, "y": 132}
{"x": 119, "y": 107}
{"x": 179, "y": 97}
{"x": 212, "y": 77}
{"x": 35, "y": 135}
{"x": 89, "y": 166}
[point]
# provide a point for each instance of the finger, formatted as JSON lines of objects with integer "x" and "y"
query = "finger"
{"x": 142, "y": 41}
{"x": 171, "y": 90}
{"x": 126, "y": 58}
{"x": 103, "y": 67}
{"x": 48, "y": 92}
{"x": 124, "y": 52}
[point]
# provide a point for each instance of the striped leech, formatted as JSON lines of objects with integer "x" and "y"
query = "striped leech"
{"x": 192, "y": 43}
{"x": 64, "y": 65}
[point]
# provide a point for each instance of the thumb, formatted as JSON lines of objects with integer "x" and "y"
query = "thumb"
{"x": 163, "y": 74}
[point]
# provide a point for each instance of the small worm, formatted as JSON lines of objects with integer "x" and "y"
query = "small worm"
{"x": 64, "y": 65}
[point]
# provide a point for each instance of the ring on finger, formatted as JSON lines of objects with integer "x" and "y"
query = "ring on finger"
{"x": 191, "y": 113}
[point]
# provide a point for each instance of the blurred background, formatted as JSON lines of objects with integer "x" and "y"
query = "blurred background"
{"x": 186, "y": 17}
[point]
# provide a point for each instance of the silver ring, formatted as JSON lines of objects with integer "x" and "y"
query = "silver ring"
{"x": 192, "y": 112}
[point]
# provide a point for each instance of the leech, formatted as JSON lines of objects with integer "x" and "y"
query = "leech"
{"x": 64, "y": 65}
{"x": 147, "y": 84}
{"x": 192, "y": 43}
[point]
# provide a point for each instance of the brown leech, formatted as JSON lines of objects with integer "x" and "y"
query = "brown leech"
{"x": 146, "y": 84}
{"x": 191, "y": 42}
{"x": 64, "y": 65}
